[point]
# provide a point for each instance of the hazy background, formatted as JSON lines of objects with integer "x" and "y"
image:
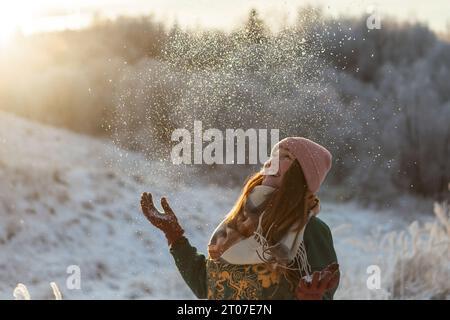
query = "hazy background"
{"x": 378, "y": 99}
{"x": 39, "y": 15}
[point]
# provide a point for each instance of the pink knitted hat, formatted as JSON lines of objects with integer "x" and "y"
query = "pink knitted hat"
{"x": 314, "y": 159}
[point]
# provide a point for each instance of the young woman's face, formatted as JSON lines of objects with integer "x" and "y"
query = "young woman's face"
{"x": 285, "y": 160}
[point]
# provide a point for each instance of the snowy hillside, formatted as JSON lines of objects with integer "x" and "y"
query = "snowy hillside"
{"x": 68, "y": 199}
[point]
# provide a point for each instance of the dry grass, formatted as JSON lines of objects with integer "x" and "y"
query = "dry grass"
{"x": 414, "y": 262}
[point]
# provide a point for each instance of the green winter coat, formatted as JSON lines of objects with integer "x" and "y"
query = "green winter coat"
{"x": 218, "y": 280}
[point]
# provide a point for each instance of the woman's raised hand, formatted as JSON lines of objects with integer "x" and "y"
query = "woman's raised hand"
{"x": 167, "y": 221}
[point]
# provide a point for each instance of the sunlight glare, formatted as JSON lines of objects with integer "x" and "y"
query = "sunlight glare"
{"x": 13, "y": 14}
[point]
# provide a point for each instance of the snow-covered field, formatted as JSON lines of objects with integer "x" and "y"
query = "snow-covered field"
{"x": 68, "y": 199}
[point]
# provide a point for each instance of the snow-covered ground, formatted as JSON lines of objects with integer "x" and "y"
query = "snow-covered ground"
{"x": 68, "y": 199}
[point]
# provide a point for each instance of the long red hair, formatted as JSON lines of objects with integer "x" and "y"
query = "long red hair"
{"x": 286, "y": 207}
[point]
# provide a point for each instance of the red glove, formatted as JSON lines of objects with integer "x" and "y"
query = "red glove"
{"x": 321, "y": 282}
{"x": 167, "y": 221}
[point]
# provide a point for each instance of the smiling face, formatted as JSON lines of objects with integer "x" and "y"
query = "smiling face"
{"x": 285, "y": 160}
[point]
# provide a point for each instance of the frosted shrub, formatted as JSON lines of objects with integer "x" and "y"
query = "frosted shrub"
{"x": 417, "y": 261}
{"x": 412, "y": 263}
{"x": 21, "y": 292}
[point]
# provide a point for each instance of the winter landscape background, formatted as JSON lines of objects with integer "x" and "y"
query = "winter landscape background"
{"x": 86, "y": 126}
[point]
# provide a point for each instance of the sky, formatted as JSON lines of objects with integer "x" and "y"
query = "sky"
{"x": 31, "y": 16}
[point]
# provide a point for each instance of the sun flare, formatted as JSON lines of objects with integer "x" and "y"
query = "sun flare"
{"x": 14, "y": 15}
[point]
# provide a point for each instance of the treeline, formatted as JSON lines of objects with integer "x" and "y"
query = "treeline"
{"x": 378, "y": 99}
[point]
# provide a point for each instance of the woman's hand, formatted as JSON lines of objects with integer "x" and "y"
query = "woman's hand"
{"x": 167, "y": 221}
{"x": 321, "y": 282}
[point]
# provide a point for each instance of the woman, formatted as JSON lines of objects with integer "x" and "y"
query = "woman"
{"x": 271, "y": 245}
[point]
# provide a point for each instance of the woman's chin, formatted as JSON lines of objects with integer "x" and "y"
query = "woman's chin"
{"x": 270, "y": 181}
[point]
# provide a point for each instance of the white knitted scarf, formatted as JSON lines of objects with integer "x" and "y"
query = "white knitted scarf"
{"x": 289, "y": 252}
